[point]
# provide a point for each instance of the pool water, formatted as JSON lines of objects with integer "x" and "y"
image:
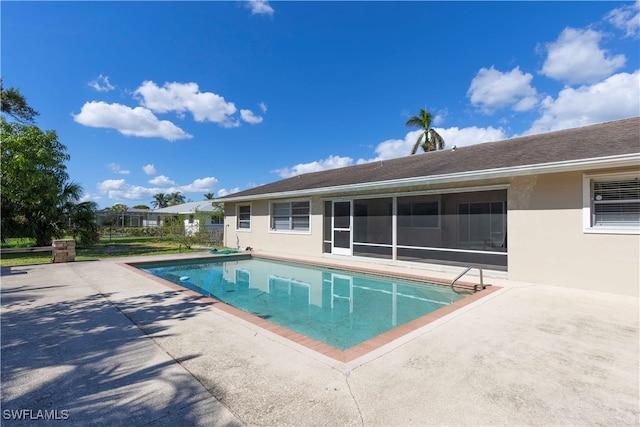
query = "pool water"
{"x": 337, "y": 307}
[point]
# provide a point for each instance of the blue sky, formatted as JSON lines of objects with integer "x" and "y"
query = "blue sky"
{"x": 199, "y": 97}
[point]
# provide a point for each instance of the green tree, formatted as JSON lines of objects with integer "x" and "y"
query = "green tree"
{"x": 189, "y": 230}
{"x": 38, "y": 200}
{"x": 219, "y": 212}
{"x": 141, "y": 207}
{"x": 176, "y": 199}
{"x": 15, "y": 105}
{"x": 81, "y": 216}
{"x": 429, "y": 139}
{"x": 119, "y": 207}
{"x": 160, "y": 200}
{"x": 209, "y": 196}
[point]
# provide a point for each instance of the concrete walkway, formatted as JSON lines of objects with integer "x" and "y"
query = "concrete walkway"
{"x": 94, "y": 343}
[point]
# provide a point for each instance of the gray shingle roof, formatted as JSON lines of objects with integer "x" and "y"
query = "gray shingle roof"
{"x": 589, "y": 142}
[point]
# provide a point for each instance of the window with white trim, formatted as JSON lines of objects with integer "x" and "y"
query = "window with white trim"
{"x": 244, "y": 217}
{"x": 614, "y": 202}
{"x": 290, "y": 216}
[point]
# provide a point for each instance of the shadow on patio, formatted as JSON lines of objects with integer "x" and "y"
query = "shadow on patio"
{"x": 81, "y": 355}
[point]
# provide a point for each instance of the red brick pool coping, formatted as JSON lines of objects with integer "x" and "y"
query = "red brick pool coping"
{"x": 347, "y": 355}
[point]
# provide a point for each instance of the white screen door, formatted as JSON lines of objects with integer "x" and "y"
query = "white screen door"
{"x": 341, "y": 222}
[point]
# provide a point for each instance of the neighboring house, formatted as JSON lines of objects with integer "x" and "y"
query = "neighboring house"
{"x": 559, "y": 208}
{"x": 194, "y": 212}
{"x": 156, "y": 217}
{"x": 130, "y": 218}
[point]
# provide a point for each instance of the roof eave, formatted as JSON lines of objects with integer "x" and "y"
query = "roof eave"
{"x": 624, "y": 160}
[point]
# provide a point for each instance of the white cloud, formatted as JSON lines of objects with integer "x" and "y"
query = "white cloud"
{"x": 111, "y": 184}
{"x": 393, "y": 148}
{"x": 440, "y": 117}
{"x": 182, "y": 97}
{"x": 149, "y": 169}
{"x": 470, "y": 136}
{"x": 224, "y": 192}
{"x": 200, "y": 185}
{"x": 89, "y": 197}
{"x": 331, "y": 162}
{"x": 614, "y": 98}
{"x": 576, "y": 58}
{"x": 626, "y": 18}
{"x": 116, "y": 169}
{"x": 101, "y": 84}
{"x": 249, "y": 117}
{"x": 179, "y": 98}
{"x": 162, "y": 180}
{"x": 259, "y": 7}
{"x": 119, "y": 189}
{"x": 128, "y": 121}
{"x": 491, "y": 89}
{"x": 263, "y": 107}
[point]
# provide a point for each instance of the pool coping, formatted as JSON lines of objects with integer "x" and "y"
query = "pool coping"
{"x": 344, "y": 356}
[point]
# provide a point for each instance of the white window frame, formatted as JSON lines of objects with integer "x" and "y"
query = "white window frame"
{"x": 587, "y": 203}
{"x": 238, "y": 206}
{"x": 290, "y": 203}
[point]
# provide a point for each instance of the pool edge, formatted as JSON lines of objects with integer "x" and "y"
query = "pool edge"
{"x": 345, "y": 356}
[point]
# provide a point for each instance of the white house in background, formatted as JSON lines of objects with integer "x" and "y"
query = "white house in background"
{"x": 138, "y": 218}
{"x": 213, "y": 215}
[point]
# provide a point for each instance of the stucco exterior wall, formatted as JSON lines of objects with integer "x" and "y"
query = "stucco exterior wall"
{"x": 545, "y": 237}
{"x": 281, "y": 243}
{"x": 547, "y": 243}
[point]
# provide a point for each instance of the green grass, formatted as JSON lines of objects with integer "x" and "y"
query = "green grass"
{"x": 107, "y": 248}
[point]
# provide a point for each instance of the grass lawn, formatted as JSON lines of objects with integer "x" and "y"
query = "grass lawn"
{"x": 108, "y": 247}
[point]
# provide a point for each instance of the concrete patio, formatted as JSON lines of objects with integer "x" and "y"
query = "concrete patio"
{"x": 95, "y": 343}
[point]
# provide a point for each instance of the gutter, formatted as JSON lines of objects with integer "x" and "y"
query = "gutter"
{"x": 622, "y": 160}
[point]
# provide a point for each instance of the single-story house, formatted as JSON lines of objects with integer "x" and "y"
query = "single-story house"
{"x": 213, "y": 215}
{"x": 558, "y": 208}
{"x": 194, "y": 213}
{"x": 130, "y": 218}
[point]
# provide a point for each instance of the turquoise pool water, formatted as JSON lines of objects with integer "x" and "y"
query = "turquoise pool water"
{"x": 337, "y": 307}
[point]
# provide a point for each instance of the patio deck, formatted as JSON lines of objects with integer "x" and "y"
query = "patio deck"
{"x": 113, "y": 347}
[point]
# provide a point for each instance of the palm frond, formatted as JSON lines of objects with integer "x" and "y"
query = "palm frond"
{"x": 414, "y": 121}
{"x": 432, "y": 140}
{"x": 417, "y": 144}
{"x": 436, "y": 142}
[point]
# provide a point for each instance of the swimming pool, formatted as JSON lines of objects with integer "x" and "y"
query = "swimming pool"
{"x": 337, "y": 307}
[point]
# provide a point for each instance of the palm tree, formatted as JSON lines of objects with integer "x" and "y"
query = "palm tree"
{"x": 176, "y": 199}
{"x": 429, "y": 138}
{"x": 82, "y": 223}
{"x": 160, "y": 200}
{"x": 63, "y": 213}
{"x": 209, "y": 196}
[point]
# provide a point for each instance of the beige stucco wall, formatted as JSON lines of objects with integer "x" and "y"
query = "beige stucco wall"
{"x": 547, "y": 243}
{"x": 280, "y": 243}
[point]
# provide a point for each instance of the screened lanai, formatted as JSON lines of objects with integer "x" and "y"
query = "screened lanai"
{"x": 462, "y": 227}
